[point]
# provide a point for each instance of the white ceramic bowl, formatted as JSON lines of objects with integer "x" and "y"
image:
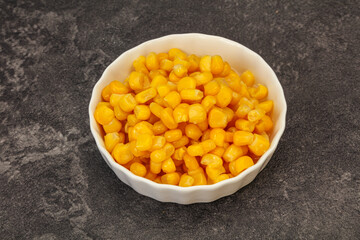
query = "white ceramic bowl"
{"x": 241, "y": 59}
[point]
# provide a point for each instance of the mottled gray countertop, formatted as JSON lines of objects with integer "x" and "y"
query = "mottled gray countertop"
{"x": 54, "y": 183}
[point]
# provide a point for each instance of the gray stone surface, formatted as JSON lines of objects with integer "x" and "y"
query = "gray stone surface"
{"x": 53, "y": 181}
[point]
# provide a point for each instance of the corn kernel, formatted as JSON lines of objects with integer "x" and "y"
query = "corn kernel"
{"x": 234, "y": 81}
{"x": 217, "y": 118}
{"x": 158, "y": 80}
{"x": 242, "y": 138}
{"x": 106, "y": 93}
{"x": 202, "y": 78}
{"x": 214, "y": 172}
{"x": 104, "y": 115}
{"x": 120, "y": 114}
{"x": 206, "y": 135}
{"x": 199, "y": 176}
{"x": 166, "y": 65}
{"x": 218, "y": 151}
{"x": 150, "y": 175}
{"x": 162, "y": 56}
{"x": 186, "y": 83}
{"x": 248, "y": 78}
{"x": 173, "y": 77}
{"x": 169, "y": 149}
{"x": 229, "y": 136}
{"x": 184, "y": 140}
{"x": 255, "y": 115}
{"x": 191, "y": 94}
{"x": 111, "y": 139}
{"x": 172, "y": 99}
{"x": 156, "y": 109}
{"x": 138, "y": 169}
{"x": 194, "y": 62}
{"x": 122, "y": 153}
{"x": 118, "y": 87}
{"x": 245, "y": 125}
{"x": 142, "y": 112}
{"x": 158, "y": 155}
{"x": 233, "y": 152}
{"x": 186, "y": 180}
{"x": 158, "y": 142}
{"x": 242, "y": 111}
{"x": 113, "y": 126}
{"x": 235, "y": 98}
{"x": 267, "y": 106}
{"x": 260, "y": 145}
{"x": 217, "y": 64}
{"x": 204, "y": 125}
{"x": 197, "y": 113}
{"x": 155, "y": 167}
{"x": 195, "y": 150}
{"x": 190, "y": 162}
{"x": 180, "y": 70}
{"x": 132, "y": 120}
{"x": 208, "y": 145}
{"x": 180, "y": 61}
{"x": 218, "y": 136}
{"x": 240, "y": 165}
{"x": 221, "y": 177}
{"x": 168, "y": 166}
{"x": 173, "y": 135}
{"x": 181, "y": 113}
{"x": 144, "y": 142}
{"x": 211, "y": 160}
{"x": 152, "y": 62}
{"x": 258, "y": 92}
{"x": 226, "y": 70}
{"x": 127, "y": 102}
{"x": 265, "y": 124}
{"x": 193, "y": 131}
{"x": 167, "y": 118}
{"x": 145, "y": 95}
{"x": 136, "y": 152}
{"x": 179, "y": 153}
{"x": 208, "y": 102}
{"x": 205, "y": 64}
{"x": 170, "y": 178}
{"x": 114, "y": 99}
{"x": 175, "y": 52}
{"x": 223, "y": 98}
{"x": 138, "y": 81}
{"x": 103, "y": 104}
{"x": 159, "y": 128}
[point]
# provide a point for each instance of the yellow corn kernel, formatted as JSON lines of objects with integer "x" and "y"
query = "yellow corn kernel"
{"x": 118, "y": 87}
{"x": 113, "y": 126}
{"x": 229, "y": 113}
{"x": 158, "y": 155}
{"x": 256, "y": 114}
{"x": 186, "y": 83}
{"x": 173, "y": 135}
{"x": 248, "y": 78}
{"x": 104, "y": 115}
{"x": 114, "y": 99}
{"x": 152, "y": 119}
{"x": 144, "y": 142}
{"x": 144, "y": 127}
{"x": 138, "y": 169}
{"x": 166, "y": 65}
{"x": 191, "y": 94}
{"x": 206, "y": 135}
{"x": 138, "y": 81}
{"x": 163, "y": 90}
{"x": 122, "y": 153}
{"x": 242, "y": 138}
{"x": 217, "y": 118}
{"x": 203, "y": 125}
{"x": 135, "y": 151}
{"x": 103, "y": 104}
{"x": 155, "y": 167}
{"x": 119, "y": 113}
{"x": 173, "y": 77}
{"x": 211, "y": 160}
{"x": 171, "y": 178}
{"x": 158, "y": 72}
{"x": 158, "y": 179}
{"x": 158, "y": 142}
{"x": 162, "y": 56}
{"x": 168, "y": 166}
{"x": 267, "y": 106}
{"x": 199, "y": 176}
{"x": 167, "y": 118}
{"x": 172, "y": 99}
{"x": 194, "y": 62}
{"x": 223, "y": 98}
{"x": 208, "y": 145}
{"x": 169, "y": 149}
{"x": 150, "y": 175}
{"x": 208, "y": 102}
{"x": 226, "y": 70}
{"x": 260, "y": 145}
{"x": 145, "y": 95}
{"x": 240, "y": 165}
{"x": 142, "y": 112}
{"x": 106, "y": 93}
{"x": 132, "y": 120}
{"x": 135, "y": 159}
{"x": 180, "y": 61}
{"x": 186, "y": 180}
{"x": 180, "y": 70}
{"x": 235, "y": 98}
{"x": 218, "y": 151}
{"x": 181, "y": 113}
{"x": 193, "y": 131}
{"x": 221, "y": 177}
{"x": 211, "y": 88}
{"x": 156, "y": 109}
{"x": 127, "y": 102}
{"x": 217, "y": 64}
{"x": 197, "y": 113}
{"x": 184, "y": 140}
{"x": 242, "y": 110}
{"x": 152, "y": 62}
{"x": 195, "y": 150}
{"x": 205, "y": 63}
{"x": 258, "y": 92}
{"x": 159, "y": 128}
{"x": 139, "y": 64}
{"x": 158, "y": 80}
{"x": 245, "y": 125}
{"x": 265, "y": 124}
{"x": 202, "y": 78}
{"x": 229, "y": 136}
{"x": 179, "y": 154}
{"x": 233, "y": 152}
{"x": 214, "y": 172}
{"x": 175, "y": 52}
{"x": 218, "y": 136}
{"x": 111, "y": 139}
{"x": 234, "y": 81}
{"x": 190, "y": 162}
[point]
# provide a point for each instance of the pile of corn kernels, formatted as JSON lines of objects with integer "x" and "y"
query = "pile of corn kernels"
{"x": 185, "y": 120}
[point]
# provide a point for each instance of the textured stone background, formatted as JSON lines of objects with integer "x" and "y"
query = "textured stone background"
{"x": 53, "y": 181}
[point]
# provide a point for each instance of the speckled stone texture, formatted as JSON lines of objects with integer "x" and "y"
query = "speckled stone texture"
{"x": 54, "y": 183}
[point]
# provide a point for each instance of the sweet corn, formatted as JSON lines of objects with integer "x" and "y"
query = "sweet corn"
{"x": 267, "y": 106}
{"x": 194, "y": 63}
{"x": 180, "y": 70}
{"x": 181, "y": 61}
{"x": 162, "y": 56}
{"x": 179, "y": 153}
{"x": 181, "y": 113}
{"x": 159, "y": 128}
{"x": 191, "y": 94}
{"x": 152, "y": 62}
{"x": 103, "y": 104}
{"x": 166, "y": 65}
{"x": 217, "y": 118}
{"x": 173, "y": 135}
{"x": 190, "y": 162}
{"x": 175, "y": 52}
{"x": 136, "y": 152}
{"x": 168, "y": 166}
{"x": 167, "y": 118}
{"x": 106, "y": 93}
{"x": 144, "y": 142}
{"x": 195, "y": 150}
{"x": 186, "y": 180}
{"x": 202, "y": 78}
{"x": 155, "y": 167}
{"x": 186, "y": 83}
{"x": 248, "y": 78}
{"x": 206, "y": 135}
{"x": 158, "y": 142}
{"x": 104, "y": 115}
{"x": 184, "y": 140}
{"x": 217, "y": 64}
{"x": 208, "y": 102}
{"x": 145, "y": 95}
{"x": 226, "y": 70}
{"x": 243, "y": 110}
{"x": 150, "y": 175}
{"x": 114, "y": 99}
{"x": 223, "y": 98}
{"x": 233, "y": 152}
{"x": 156, "y": 109}
{"x": 158, "y": 155}
{"x": 265, "y": 125}
{"x": 197, "y": 113}
{"x": 234, "y": 81}
{"x": 258, "y": 92}
{"x": 245, "y": 125}
{"x": 143, "y": 128}
{"x": 142, "y": 112}
{"x": 158, "y": 80}
{"x": 229, "y": 136}
{"x": 211, "y": 160}
{"x": 170, "y": 178}
{"x": 192, "y": 131}
{"x": 118, "y": 87}
{"x": 218, "y": 151}
{"x": 199, "y": 176}
{"x": 113, "y": 126}
{"x": 172, "y": 99}
{"x": 208, "y": 145}
{"x": 138, "y": 81}
{"x": 120, "y": 114}
{"x": 169, "y": 149}
{"x": 173, "y": 77}
{"x": 122, "y": 154}
{"x": 138, "y": 169}
{"x": 111, "y": 139}
{"x": 255, "y": 115}
{"x": 242, "y": 138}
{"x": 212, "y": 88}
{"x": 218, "y": 136}
{"x": 214, "y": 172}
{"x": 203, "y": 125}
{"x": 259, "y": 145}
{"x": 127, "y": 102}
{"x": 205, "y": 64}
{"x": 221, "y": 177}
{"x": 132, "y": 120}
{"x": 240, "y": 165}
